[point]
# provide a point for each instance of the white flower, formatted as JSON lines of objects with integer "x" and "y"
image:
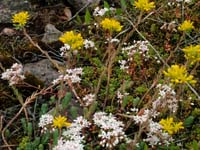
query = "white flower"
{"x": 166, "y": 98}
{"x": 123, "y": 64}
{"x": 114, "y": 40}
{"x": 45, "y": 120}
{"x": 156, "y": 136}
{"x": 120, "y": 96}
{"x": 88, "y": 99}
{"x": 14, "y": 75}
{"x": 111, "y": 130}
{"x": 88, "y": 44}
{"x": 139, "y": 119}
{"x": 64, "y": 49}
{"x": 73, "y": 75}
{"x": 100, "y": 12}
{"x": 186, "y": 1}
{"x": 68, "y": 145}
{"x": 74, "y": 131}
{"x": 58, "y": 80}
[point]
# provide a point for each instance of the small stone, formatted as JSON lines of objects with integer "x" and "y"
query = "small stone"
{"x": 51, "y": 34}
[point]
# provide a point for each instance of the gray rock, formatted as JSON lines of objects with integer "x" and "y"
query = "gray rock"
{"x": 51, "y": 34}
{"x": 42, "y": 70}
{"x": 79, "y": 4}
{"x": 10, "y": 7}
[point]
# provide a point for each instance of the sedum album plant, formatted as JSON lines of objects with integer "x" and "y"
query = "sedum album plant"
{"x": 110, "y": 92}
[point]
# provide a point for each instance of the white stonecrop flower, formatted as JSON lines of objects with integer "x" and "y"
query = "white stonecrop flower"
{"x": 186, "y": 1}
{"x": 166, "y": 98}
{"x": 88, "y": 44}
{"x": 45, "y": 120}
{"x": 101, "y": 12}
{"x": 120, "y": 96}
{"x": 88, "y": 99}
{"x": 156, "y": 136}
{"x": 73, "y": 132}
{"x": 114, "y": 40}
{"x": 123, "y": 64}
{"x": 14, "y": 75}
{"x": 64, "y": 49}
{"x": 71, "y": 74}
{"x": 139, "y": 119}
{"x": 68, "y": 145}
{"x": 58, "y": 80}
{"x": 111, "y": 130}
{"x": 139, "y": 47}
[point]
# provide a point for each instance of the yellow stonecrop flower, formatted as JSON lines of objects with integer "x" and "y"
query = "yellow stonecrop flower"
{"x": 20, "y": 19}
{"x": 192, "y": 53}
{"x": 170, "y": 126}
{"x": 178, "y": 74}
{"x": 60, "y": 121}
{"x": 144, "y": 5}
{"x": 187, "y": 25}
{"x": 111, "y": 25}
{"x": 74, "y": 40}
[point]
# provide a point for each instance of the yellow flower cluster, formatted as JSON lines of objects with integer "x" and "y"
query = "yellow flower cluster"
{"x": 178, "y": 74}
{"x": 144, "y": 5}
{"x": 20, "y": 19}
{"x": 170, "y": 126}
{"x": 74, "y": 40}
{"x": 60, "y": 121}
{"x": 111, "y": 25}
{"x": 192, "y": 53}
{"x": 187, "y": 25}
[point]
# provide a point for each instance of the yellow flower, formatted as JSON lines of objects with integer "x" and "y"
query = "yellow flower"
{"x": 111, "y": 25}
{"x": 75, "y": 41}
{"x": 187, "y": 25}
{"x": 167, "y": 125}
{"x": 59, "y": 122}
{"x": 20, "y": 19}
{"x": 178, "y": 126}
{"x": 192, "y": 53}
{"x": 144, "y": 5}
{"x": 178, "y": 74}
{"x": 170, "y": 126}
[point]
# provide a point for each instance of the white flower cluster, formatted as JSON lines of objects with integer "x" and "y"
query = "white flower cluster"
{"x": 145, "y": 116}
{"x": 88, "y": 44}
{"x": 101, "y": 12}
{"x": 153, "y": 130}
{"x": 111, "y": 132}
{"x": 68, "y": 145}
{"x": 166, "y": 99}
{"x": 186, "y": 1}
{"x": 156, "y": 136}
{"x": 112, "y": 40}
{"x": 72, "y": 138}
{"x": 120, "y": 96}
{"x": 14, "y": 75}
{"x": 45, "y": 121}
{"x": 140, "y": 47}
{"x": 71, "y": 74}
{"x": 88, "y": 99}
{"x": 64, "y": 49}
{"x": 178, "y": 2}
